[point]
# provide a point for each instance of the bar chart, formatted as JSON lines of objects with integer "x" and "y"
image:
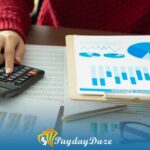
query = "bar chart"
{"x": 103, "y": 128}
{"x": 17, "y": 121}
{"x": 117, "y": 64}
{"x": 102, "y": 76}
{"x": 131, "y": 129}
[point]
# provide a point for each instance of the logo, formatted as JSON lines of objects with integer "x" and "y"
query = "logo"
{"x": 47, "y": 137}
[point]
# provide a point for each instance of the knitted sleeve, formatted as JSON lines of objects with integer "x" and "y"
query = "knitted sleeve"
{"x": 15, "y": 15}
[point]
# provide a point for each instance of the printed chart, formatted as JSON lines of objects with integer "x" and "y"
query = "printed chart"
{"x": 112, "y": 64}
{"x": 140, "y": 50}
{"x": 17, "y": 121}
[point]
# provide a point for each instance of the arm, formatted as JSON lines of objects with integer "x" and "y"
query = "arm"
{"x": 14, "y": 24}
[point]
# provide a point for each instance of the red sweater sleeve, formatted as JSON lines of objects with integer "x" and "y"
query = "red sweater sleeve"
{"x": 15, "y": 15}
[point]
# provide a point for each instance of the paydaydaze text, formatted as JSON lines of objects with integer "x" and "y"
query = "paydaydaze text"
{"x": 84, "y": 142}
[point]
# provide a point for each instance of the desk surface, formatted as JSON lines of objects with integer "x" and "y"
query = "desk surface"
{"x": 46, "y": 35}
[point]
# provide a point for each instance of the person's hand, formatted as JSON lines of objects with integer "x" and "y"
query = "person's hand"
{"x": 12, "y": 49}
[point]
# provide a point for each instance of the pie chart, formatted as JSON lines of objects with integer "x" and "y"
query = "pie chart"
{"x": 89, "y": 54}
{"x": 140, "y": 50}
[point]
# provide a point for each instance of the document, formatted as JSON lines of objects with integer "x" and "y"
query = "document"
{"x": 36, "y": 108}
{"x": 28, "y": 116}
{"x": 51, "y": 60}
{"x": 112, "y": 64}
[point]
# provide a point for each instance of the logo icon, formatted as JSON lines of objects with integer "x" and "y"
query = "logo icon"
{"x": 47, "y": 137}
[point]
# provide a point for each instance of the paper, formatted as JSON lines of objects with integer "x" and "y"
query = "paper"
{"x": 50, "y": 59}
{"x": 28, "y": 116}
{"x": 37, "y": 107}
{"x": 112, "y": 64}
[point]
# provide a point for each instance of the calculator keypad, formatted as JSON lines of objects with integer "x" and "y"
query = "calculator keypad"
{"x": 20, "y": 74}
{"x": 20, "y": 79}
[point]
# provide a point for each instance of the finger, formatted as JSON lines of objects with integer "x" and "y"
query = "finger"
{"x": 9, "y": 54}
{"x": 1, "y": 59}
{"x": 1, "y": 44}
{"x": 20, "y": 50}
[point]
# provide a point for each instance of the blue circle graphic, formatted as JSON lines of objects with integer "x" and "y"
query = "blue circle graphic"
{"x": 140, "y": 50}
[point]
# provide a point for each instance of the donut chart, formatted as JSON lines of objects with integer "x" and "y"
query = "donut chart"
{"x": 140, "y": 50}
{"x": 88, "y": 54}
{"x": 114, "y": 55}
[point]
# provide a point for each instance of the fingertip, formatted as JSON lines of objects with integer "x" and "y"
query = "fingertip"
{"x": 9, "y": 70}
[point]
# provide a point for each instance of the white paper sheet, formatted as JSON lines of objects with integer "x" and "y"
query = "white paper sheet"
{"x": 38, "y": 106}
{"x": 28, "y": 116}
{"x": 50, "y": 59}
{"x": 112, "y": 64}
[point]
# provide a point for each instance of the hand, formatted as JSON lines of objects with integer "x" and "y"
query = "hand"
{"x": 12, "y": 49}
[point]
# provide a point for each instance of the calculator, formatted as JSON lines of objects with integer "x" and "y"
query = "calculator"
{"x": 20, "y": 79}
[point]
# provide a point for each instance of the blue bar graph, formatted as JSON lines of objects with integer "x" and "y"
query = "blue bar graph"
{"x": 132, "y": 76}
{"x": 94, "y": 128}
{"x": 94, "y": 81}
{"x": 117, "y": 79}
{"x": 94, "y": 76}
{"x": 103, "y": 128}
{"x": 2, "y": 118}
{"x": 139, "y": 74}
{"x": 124, "y": 73}
{"x": 116, "y": 75}
{"x": 133, "y": 81}
{"x": 103, "y": 76}
{"x": 109, "y": 74}
{"x": 124, "y": 76}
{"x": 102, "y": 82}
{"x": 146, "y": 74}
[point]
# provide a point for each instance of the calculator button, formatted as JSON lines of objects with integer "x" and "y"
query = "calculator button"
{"x": 27, "y": 68}
{"x": 6, "y": 75}
{"x": 2, "y": 77}
{"x": 10, "y": 79}
{"x": 18, "y": 82}
{"x": 13, "y": 77}
{"x": 24, "y": 70}
{"x": 29, "y": 75}
{"x": 16, "y": 75}
{"x": 20, "y": 72}
{"x": 2, "y": 71}
{"x": 16, "y": 68}
{"x": 36, "y": 70}
{"x": 26, "y": 77}
{"x": 21, "y": 79}
{"x": 32, "y": 72}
